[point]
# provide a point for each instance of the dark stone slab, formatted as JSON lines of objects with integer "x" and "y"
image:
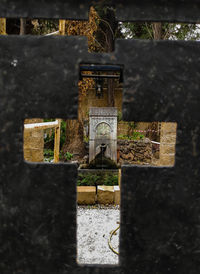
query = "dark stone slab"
{"x": 159, "y": 10}
{"x": 69, "y": 9}
{"x": 165, "y": 81}
{"x": 41, "y": 75}
{"x": 127, "y": 10}
{"x": 160, "y": 206}
{"x": 38, "y": 218}
{"x": 160, "y": 224}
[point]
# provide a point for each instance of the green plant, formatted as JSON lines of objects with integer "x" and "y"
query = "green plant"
{"x": 110, "y": 180}
{"x": 48, "y": 155}
{"x": 48, "y": 152}
{"x": 122, "y": 137}
{"x": 119, "y": 116}
{"x": 131, "y": 127}
{"x": 62, "y": 133}
{"x": 94, "y": 179}
{"x": 68, "y": 156}
{"x": 50, "y": 137}
{"x": 134, "y": 136}
{"x": 86, "y": 139}
{"x": 88, "y": 180}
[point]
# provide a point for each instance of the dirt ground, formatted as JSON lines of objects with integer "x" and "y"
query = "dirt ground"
{"x": 94, "y": 227}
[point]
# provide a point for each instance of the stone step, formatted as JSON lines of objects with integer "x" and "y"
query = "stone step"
{"x": 105, "y": 194}
{"x": 86, "y": 195}
{"x": 116, "y": 195}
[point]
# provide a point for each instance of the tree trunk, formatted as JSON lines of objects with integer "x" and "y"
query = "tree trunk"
{"x": 22, "y": 26}
{"x": 157, "y": 31}
{"x": 74, "y": 139}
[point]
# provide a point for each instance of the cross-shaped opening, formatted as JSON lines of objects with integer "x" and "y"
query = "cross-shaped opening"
{"x": 99, "y": 142}
{"x": 132, "y": 144}
{"x": 98, "y": 187}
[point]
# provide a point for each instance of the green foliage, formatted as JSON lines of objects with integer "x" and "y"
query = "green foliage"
{"x": 170, "y": 31}
{"x": 119, "y": 116}
{"x": 100, "y": 179}
{"x": 44, "y": 26}
{"x": 131, "y": 127}
{"x": 135, "y": 136}
{"x": 48, "y": 152}
{"x": 50, "y": 138}
{"x": 86, "y": 139}
{"x": 88, "y": 180}
{"x": 48, "y": 155}
{"x": 110, "y": 180}
{"x": 137, "y": 30}
{"x": 122, "y": 137}
{"x": 62, "y": 133}
{"x": 68, "y": 156}
{"x": 183, "y": 31}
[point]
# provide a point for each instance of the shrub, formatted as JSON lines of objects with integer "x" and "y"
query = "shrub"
{"x": 135, "y": 136}
{"x": 111, "y": 180}
{"x": 119, "y": 116}
{"x": 88, "y": 180}
{"x": 48, "y": 155}
{"x": 122, "y": 137}
{"x": 68, "y": 156}
{"x": 94, "y": 179}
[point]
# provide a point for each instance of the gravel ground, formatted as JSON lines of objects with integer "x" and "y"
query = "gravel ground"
{"x": 94, "y": 227}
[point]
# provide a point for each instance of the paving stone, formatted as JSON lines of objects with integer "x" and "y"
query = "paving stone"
{"x": 116, "y": 195}
{"x": 86, "y": 195}
{"x": 105, "y": 194}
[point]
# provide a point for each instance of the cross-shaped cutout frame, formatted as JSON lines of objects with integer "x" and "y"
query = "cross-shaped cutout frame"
{"x": 160, "y": 206}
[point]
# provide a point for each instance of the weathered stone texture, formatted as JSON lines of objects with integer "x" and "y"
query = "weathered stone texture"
{"x": 103, "y": 129}
{"x": 105, "y": 194}
{"x": 116, "y": 195}
{"x": 159, "y": 226}
{"x": 86, "y": 195}
{"x": 33, "y": 143}
{"x": 135, "y": 151}
{"x": 167, "y": 144}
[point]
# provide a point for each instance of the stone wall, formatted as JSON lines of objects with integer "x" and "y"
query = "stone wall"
{"x": 33, "y": 143}
{"x": 122, "y": 128}
{"x": 135, "y": 151}
{"x": 167, "y": 144}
